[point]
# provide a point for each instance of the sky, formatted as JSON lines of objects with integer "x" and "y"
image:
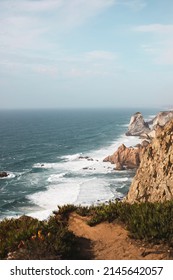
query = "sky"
{"x": 86, "y": 53}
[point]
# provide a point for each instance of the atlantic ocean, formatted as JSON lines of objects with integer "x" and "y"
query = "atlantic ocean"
{"x": 54, "y": 157}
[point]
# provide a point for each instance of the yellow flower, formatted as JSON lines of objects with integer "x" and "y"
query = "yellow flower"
{"x": 40, "y": 236}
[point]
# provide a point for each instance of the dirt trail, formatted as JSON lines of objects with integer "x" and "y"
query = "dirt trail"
{"x": 108, "y": 241}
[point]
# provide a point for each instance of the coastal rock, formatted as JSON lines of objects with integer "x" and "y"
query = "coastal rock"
{"x": 86, "y": 157}
{"x": 154, "y": 178}
{"x": 3, "y": 174}
{"x": 159, "y": 121}
{"x": 137, "y": 125}
{"x": 162, "y": 118}
{"x": 127, "y": 158}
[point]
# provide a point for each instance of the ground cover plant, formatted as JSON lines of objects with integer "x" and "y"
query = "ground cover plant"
{"x": 28, "y": 238}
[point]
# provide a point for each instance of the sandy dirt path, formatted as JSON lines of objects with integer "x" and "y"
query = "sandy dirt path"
{"x": 110, "y": 241}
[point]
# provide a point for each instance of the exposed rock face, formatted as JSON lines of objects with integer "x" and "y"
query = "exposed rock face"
{"x": 3, "y": 174}
{"x": 154, "y": 178}
{"x": 162, "y": 118}
{"x": 127, "y": 158}
{"x": 137, "y": 125}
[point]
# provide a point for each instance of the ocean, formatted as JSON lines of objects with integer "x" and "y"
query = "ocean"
{"x": 55, "y": 157}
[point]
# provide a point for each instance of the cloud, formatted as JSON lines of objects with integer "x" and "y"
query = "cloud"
{"x": 34, "y": 25}
{"x": 135, "y": 5}
{"x": 87, "y": 64}
{"x": 160, "y": 45}
{"x": 155, "y": 28}
{"x": 101, "y": 55}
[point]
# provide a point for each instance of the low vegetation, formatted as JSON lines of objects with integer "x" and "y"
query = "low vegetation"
{"x": 148, "y": 221}
{"x": 28, "y": 238}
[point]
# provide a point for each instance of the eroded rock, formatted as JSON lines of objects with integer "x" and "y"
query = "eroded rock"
{"x": 126, "y": 158}
{"x": 154, "y": 178}
{"x": 137, "y": 125}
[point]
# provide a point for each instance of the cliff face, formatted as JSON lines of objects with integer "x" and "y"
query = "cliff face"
{"x": 154, "y": 178}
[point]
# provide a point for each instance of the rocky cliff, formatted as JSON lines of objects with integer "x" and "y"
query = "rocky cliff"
{"x": 154, "y": 178}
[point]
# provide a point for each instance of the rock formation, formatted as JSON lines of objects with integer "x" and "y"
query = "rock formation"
{"x": 137, "y": 125}
{"x": 3, "y": 174}
{"x": 127, "y": 158}
{"x": 162, "y": 118}
{"x": 154, "y": 178}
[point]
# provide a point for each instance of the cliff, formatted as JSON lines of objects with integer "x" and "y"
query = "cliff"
{"x": 154, "y": 178}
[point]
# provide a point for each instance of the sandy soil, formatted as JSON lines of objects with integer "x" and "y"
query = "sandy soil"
{"x": 110, "y": 241}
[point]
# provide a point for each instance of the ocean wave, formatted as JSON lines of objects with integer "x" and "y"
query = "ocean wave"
{"x": 45, "y": 165}
{"x": 71, "y": 157}
{"x": 121, "y": 179}
{"x": 55, "y": 177}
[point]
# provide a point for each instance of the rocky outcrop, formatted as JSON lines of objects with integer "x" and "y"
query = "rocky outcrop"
{"x": 137, "y": 125}
{"x": 127, "y": 158}
{"x": 3, "y": 174}
{"x": 154, "y": 178}
{"x": 161, "y": 118}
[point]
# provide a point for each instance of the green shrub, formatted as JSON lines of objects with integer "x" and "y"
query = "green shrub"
{"x": 149, "y": 221}
{"x": 39, "y": 240}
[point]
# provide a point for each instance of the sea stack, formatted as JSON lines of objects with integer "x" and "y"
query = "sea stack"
{"x": 137, "y": 125}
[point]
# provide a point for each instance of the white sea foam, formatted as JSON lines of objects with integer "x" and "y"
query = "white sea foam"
{"x": 149, "y": 118}
{"x": 76, "y": 180}
{"x": 46, "y": 165}
{"x": 76, "y": 191}
{"x": 71, "y": 157}
{"x": 125, "y": 125}
{"x": 121, "y": 179}
{"x": 55, "y": 177}
{"x": 61, "y": 194}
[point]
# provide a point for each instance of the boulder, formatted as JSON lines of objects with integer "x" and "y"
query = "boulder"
{"x": 137, "y": 125}
{"x": 154, "y": 178}
{"x": 3, "y": 174}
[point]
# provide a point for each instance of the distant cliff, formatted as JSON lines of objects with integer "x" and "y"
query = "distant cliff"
{"x": 146, "y": 129}
{"x": 154, "y": 178}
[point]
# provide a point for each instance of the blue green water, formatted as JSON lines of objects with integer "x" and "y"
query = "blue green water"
{"x": 44, "y": 153}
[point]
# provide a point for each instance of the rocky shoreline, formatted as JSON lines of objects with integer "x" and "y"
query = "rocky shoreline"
{"x": 153, "y": 158}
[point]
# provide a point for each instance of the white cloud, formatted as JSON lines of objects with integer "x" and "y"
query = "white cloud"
{"x": 135, "y": 5}
{"x": 155, "y": 28}
{"x": 30, "y": 38}
{"x": 160, "y": 45}
{"x": 101, "y": 55}
{"x": 39, "y": 24}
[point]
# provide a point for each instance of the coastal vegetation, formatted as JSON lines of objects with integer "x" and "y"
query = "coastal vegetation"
{"x": 28, "y": 238}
